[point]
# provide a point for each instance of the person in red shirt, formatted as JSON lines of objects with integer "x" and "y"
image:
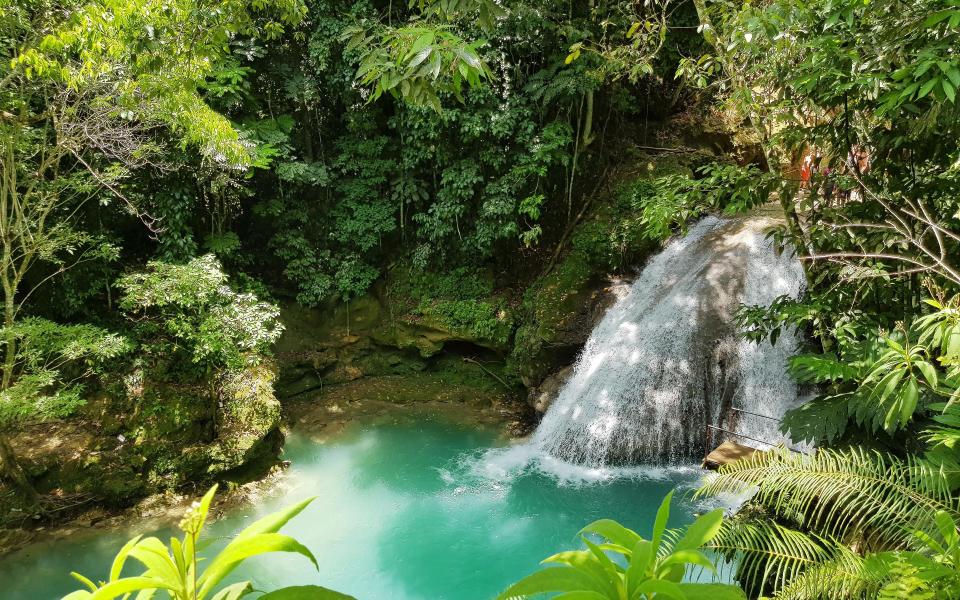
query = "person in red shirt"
{"x": 806, "y": 168}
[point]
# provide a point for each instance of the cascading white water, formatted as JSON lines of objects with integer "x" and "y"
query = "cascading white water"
{"x": 666, "y": 360}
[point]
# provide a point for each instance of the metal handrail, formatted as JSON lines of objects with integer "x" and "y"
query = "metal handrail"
{"x": 772, "y": 445}
{"x": 739, "y": 435}
{"x": 747, "y": 412}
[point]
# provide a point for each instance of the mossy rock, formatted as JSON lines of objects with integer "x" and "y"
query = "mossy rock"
{"x": 168, "y": 435}
{"x": 249, "y": 413}
{"x": 309, "y": 329}
{"x": 561, "y": 311}
{"x": 426, "y": 340}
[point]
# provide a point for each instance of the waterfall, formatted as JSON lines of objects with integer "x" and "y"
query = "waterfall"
{"x": 666, "y": 360}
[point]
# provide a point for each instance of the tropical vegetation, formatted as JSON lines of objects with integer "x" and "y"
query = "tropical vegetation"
{"x": 173, "y": 173}
{"x": 177, "y": 570}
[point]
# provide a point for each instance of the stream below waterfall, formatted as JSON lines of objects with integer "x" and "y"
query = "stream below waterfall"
{"x": 402, "y": 513}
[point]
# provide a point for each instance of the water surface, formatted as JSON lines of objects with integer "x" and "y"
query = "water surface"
{"x": 403, "y": 512}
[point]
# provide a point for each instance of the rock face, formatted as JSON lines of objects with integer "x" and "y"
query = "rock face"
{"x": 339, "y": 344}
{"x": 560, "y": 325}
{"x": 246, "y": 424}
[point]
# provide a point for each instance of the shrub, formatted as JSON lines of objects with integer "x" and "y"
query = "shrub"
{"x": 191, "y": 308}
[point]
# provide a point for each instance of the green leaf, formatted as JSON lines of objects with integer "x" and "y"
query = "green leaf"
{"x": 639, "y": 565}
{"x": 305, "y": 592}
{"x": 611, "y": 569}
{"x": 420, "y": 57}
{"x": 701, "y": 531}
{"x": 121, "y": 558}
{"x": 894, "y": 345}
{"x": 954, "y": 74}
{"x": 660, "y": 523}
{"x": 661, "y": 588}
{"x": 128, "y": 585}
{"x": 948, "y": 89}
{"x": 926, "y": 87}
{"x": 938, "y": 16}
{"x": 153, "y": 554}
{"x": 422, "y": 42}
{"x": 553, "y": 579}
{"x": 273, "y": 522}
{"x": 888, "y": 384}
{"x": 233, "y": 592}
{"x": 581, "y": 595}
{"x": 909, "y": 402}
{"x": 612, "y": 531}
{"x": 929, "y": 373}
{"x": 469, "y": 56}
{"x": 586, "y": 562}
{"x": 85, "y": 581}
{"x": 688, "y": 557}
{"x": 245, "y": 547}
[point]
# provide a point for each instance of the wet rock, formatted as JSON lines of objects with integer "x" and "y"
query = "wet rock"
{"x": 11, "y": 539}
{"x": 543, "y": 395}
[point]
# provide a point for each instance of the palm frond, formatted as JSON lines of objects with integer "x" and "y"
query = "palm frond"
{"x": 823, "y": 419}
{"x": 850, "y": 495}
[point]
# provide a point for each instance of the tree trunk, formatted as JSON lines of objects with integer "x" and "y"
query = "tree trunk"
{"x": 588, "y": 121}
{"x": 10, "y": 338}
{"x": 14, "y": 472}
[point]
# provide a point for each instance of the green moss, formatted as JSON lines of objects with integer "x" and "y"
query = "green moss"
{"x": 428, "y": 309}
{"x": 455, "y": 382}
{"x": 550, "y": 305}
{"x": 476, "y": 320}
{"x": 162, "y": 436}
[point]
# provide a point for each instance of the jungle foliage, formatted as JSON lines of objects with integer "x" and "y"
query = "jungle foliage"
{"x": 168, "y": 170}
{"x": 869, "y": 90}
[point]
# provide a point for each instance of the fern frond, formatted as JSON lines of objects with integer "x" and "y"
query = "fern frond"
{"x": 768, "y": 555}
{"x": 821, "y": 368}
{"x": 823, "y": 419}
{"x": 845, "y": 575}
{"x": 850, "y": 495}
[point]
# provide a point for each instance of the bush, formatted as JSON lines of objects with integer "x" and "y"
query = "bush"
{"x": 190, "y": 309}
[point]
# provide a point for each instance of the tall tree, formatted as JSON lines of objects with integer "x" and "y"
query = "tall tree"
{"x": 90, "y": 91}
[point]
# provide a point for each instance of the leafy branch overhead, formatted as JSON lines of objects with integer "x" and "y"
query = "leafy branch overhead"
{"x": 418, "y": 62}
